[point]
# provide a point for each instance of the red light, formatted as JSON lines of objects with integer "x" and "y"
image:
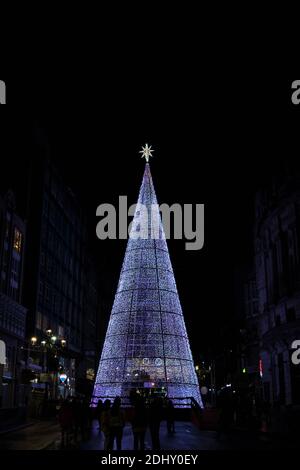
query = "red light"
{"x": 260, "y": 366}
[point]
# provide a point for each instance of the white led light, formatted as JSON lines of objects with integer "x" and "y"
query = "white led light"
{"x": 146, "y": 339}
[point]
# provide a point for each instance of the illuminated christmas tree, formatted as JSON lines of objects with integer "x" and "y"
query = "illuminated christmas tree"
{"x": 146, "y": 344}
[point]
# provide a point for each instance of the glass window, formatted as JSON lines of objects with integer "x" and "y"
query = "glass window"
{"x": 17, "y": 240}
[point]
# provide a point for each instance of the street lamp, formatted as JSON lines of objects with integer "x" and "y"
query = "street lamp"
{"x": 49, "y": 347}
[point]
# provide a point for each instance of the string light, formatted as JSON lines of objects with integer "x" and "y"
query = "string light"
{"x": 146, "y": 339}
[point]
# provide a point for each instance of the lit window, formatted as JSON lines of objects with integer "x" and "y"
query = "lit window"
{"x": 17, "y": 240}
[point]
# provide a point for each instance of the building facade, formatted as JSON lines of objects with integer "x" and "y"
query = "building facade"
{"x": 57, "y": 280}
{"x": 90, "y": 331}
{"x": 12, "y": 312}
{"x": 248, "y": 357}
{"x": 276, "y": 295}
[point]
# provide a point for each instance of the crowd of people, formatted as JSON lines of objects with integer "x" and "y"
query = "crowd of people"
{"x": 111, "y": 420}
{"x": 244, "y": 411}
{"x": 76, "y": 416}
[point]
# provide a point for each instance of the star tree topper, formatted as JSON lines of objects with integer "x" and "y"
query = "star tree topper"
{"x": 146, "y": 152}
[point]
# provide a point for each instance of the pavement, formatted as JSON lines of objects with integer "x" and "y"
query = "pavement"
{"x": 36, "y": 436}
{"x": 45, "y": 435}
{"x": 186, "y": 437}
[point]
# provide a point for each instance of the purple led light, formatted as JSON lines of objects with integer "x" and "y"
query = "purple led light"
{"x": 146, "y": 339}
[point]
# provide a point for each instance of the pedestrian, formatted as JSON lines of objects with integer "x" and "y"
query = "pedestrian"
{"x": 155, "y": 414}
{"x": 105, "y": 423}
{"x": 117, "y": 423}
{"x": 99, "y": 409}
{"x": 90, "y": 410}
{"x": 78, "y": 418}
{"x": 65, "y": 417}
{"x": 139, "y": 423}
{"x": 85, "y": 419}
{"x": 170, "y": 416}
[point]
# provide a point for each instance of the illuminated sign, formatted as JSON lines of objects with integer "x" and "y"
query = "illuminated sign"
{"x": 260, "y": 366}
{"x": 63, "y": 377}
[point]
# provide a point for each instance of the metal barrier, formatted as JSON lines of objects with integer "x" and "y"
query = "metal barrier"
{"x": 178, "y": 402}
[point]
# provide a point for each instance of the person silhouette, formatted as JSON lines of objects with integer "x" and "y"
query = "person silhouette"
{"x": 117, "y": 423}
{"x": 155, "y": 414}
{"x": 139, "y": 423}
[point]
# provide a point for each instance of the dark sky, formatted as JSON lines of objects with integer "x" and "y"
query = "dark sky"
{"x": 215, "y": 141}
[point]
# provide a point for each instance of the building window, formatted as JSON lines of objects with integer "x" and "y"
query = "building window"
{"x": 47, "y": 293}
{"x": 15, "y": 269}
{"x": 290, "y": 315}
{"x": 39, "y": 320}
{"x": 17, "y": 240}
{"x": 7, "y": 231}
{"x": 277, "y": 320}
{"x": 41, "y": 290}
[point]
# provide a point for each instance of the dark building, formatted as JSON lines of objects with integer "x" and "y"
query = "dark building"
{"x": 60, "y": 286}
{"x": 272, "y": 297}
{"x": 277, "y": 262}
{"x": 12, "y": 312}
{"x": 90, "y": 330}
{"x": 249, "y": 354}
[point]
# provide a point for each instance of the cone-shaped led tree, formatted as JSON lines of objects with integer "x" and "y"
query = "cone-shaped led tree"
{"x": 146, "y": 344}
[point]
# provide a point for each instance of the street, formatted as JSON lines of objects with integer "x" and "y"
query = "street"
{"x": 46, "y": 436}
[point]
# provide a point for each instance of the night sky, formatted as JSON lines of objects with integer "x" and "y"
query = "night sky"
{"x": 216, "y": 141}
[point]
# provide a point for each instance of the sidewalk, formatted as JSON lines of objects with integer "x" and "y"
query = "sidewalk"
{"x": 45, "y": 435}
{"x": 37, "y": 436}
{"x": 15, "y": 427}
{"x": 186, "y": 437}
